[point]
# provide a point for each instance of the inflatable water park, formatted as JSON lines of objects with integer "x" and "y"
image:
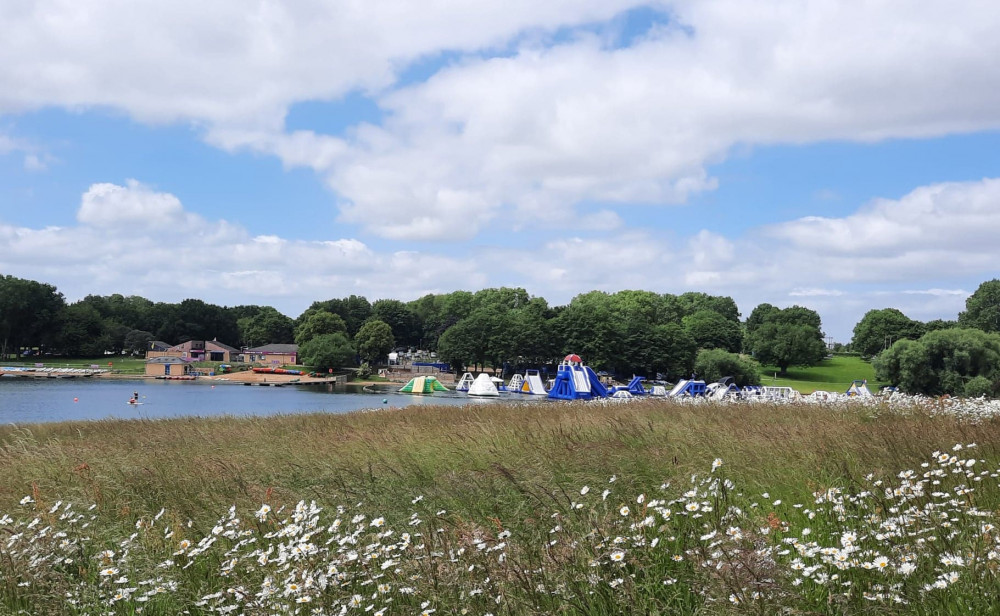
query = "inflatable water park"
{"x": 574, "y": 380}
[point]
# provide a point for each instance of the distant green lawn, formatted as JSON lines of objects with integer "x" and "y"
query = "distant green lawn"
{"x": 835, "y": 374}
{"x": 118, "y": 363}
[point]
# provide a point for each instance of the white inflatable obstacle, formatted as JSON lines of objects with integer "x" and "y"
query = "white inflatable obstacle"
{"x": 483, "y": 386}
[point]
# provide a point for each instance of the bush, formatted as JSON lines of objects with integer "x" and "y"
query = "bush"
{"x": 713, "y": 364}
{"x": 327, "y": 351}
{"x": 365, "y": 370}
{"x": 978, "y": 387}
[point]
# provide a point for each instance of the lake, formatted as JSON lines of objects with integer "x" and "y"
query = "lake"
{"x": 24, "y": 400}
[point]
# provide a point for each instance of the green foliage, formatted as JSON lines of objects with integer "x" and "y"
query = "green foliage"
{"x": 354, "y": 310}
{"x": 979, "y": 386}
{"x": 673, "y": 351}
{"x": 404, "y": 322}
{"x": 29, "y": 313}
{"x": 880, "y": 328}
{"x": 458, "y": 346}
{"x": 789, "y": 337}
{"x": 137, "y": 341}
{"x": 364, "y": 370}
{"x": 711, "y": 330}
{"x": 317, "y": 323}
{"x": 690, "y": 303}
{"x": 83, "y": 332}
{"x": 982, "y": 308}
{"x": 374, "y": 341}
{"x": 713, "y": 364}
{"x": 327, "y": 351}
{"x": 941, "y": 362}
{"x": 268, "y": 326}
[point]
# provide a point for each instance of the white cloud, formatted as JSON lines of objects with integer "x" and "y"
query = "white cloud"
{"x": 124, "y": 207}
{"x": 134, "y": 240}
{"x": 533, "y": 129}
{"x": 232, "y": 62}
{"x": 546, "y": 128}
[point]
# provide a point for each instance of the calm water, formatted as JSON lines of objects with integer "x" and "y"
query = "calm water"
{"x": 42, "y": 400}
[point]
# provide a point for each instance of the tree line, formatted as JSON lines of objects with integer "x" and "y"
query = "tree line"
{"x": 957, "y": 357}
{"x": 625, "y": 333}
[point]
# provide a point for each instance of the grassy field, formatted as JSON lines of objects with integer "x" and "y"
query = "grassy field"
{"x": 121, "y": 364}
{"x": 519, "y": 509}
{"x": 834, "y": 374}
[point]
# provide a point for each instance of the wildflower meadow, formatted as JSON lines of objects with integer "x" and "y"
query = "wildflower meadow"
{"x": 647, "y": 507}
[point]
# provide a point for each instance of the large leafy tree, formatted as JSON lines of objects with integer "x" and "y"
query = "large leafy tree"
{"x": 268, "y": 326}
{"x": 788, "y": 337}
{"x": 83, "y": 331}
{"x": 673, "y": 351}
{"x": 460, "y": 345}
{"x": 29, "y": 313}
{"x": 982, "y": 308}
{"x": 374, "y": 341}
{"x": 878, "y": 329}
{"x": 693, "y": 302}
{"x": 405, "y": 323}
{"x": 327, "y": 351}
{"x": 318, "y": 323}
{"x": 947, "y": 361}
{"x": 355, "y": 310}
{"x": 711, "y": 330}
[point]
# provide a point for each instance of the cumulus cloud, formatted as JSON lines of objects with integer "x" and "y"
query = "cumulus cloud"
{"x": 232, "y": 62}
{"x": 515, "y": 123}
{"x": 134, "y": 240}
{"x": 547, "y": 127}
{"x": 110, "y": 205}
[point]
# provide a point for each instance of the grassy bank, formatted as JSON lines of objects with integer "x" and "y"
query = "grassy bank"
{"x": 833, "y": 374}
{"x": 501, "y": 509}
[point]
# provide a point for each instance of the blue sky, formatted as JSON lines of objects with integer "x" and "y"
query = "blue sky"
{"x": 841, "y": 157}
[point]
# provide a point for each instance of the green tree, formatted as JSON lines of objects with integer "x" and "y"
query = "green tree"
{"x": 673, "y": 352}
{"x": 713, "y": 364}
{"x": 936, "y": 324}
{"x": 268, "y": 326}
{"x": 137, "y": 342}
{"x": 982, "y": 308}
{"x": 327, "y": 351}
{"x": 405, "y": 324}
{"x": 374, "y": 341}
{"x": 318, "y": 323}
{"x": 692, "y": 302}
{"x": 760, "y": 315}
{"x": 711, "y": 330}
{"x": 83, "y": 331}
{"x": 784, "y": 345}
{"x": 29, "y": 313}
{"x": 460, "y": 345}
{"x": 879, "y": 328}
{"x": 942, "y": 362}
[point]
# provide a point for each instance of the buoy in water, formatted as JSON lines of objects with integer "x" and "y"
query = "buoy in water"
{"x": 76, "y": 399}
{"x": 385, "y": 401}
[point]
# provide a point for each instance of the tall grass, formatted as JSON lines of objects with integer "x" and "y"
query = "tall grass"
{"x": 510, "y": 501}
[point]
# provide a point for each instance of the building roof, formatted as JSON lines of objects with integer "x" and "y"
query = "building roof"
{"x": 159, "y": 345}
{"x": 275, "y": 348}
{"x": 210, "y": 345}
{"x": 167, "y": 360}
